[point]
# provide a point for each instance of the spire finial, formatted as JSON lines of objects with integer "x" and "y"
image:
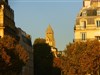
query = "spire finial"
{"x": 49, "y": 29}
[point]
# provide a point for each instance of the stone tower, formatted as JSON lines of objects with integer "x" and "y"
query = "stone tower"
{"x": 50, "y": 36}
{"x": 87, "y": 25}
{"x": 7, "y": 24}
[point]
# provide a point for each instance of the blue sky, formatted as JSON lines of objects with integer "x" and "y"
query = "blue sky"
{"x": 34, "y": 16}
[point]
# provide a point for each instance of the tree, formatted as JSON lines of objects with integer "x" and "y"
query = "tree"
{"x": 43, "y": 57}
{"x": 39, "y": 41}
{"x": 82, "y": 58}
{"x": 12, "y": 56}
{"x": 56, "y": 66}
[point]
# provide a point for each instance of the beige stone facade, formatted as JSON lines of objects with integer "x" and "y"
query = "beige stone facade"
{"x": 87, "y": 25}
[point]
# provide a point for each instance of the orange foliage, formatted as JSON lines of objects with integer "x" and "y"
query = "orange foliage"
{"x": 57, "y": 62}
{"x": 82, "y": 58}
{"x": 23, "y": 55}
{"x": 5, "y": 57}
{"x": 12, "y": 54}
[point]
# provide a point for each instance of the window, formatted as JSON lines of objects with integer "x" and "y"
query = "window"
{"x": 83, "y": 36}
{"x": 98, "y": 12}
{"x": 98, "y": 23}
{"x": 84, "y": 13}
{"x": 83, "y": 24}
{"x": 97, "y": 37}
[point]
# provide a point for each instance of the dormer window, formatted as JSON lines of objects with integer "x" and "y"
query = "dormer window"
{"x": 84, "y": 13}
{"x": 83, "y": 24}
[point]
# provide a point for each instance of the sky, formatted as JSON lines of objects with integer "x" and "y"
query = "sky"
{"x": 34, "y": 16}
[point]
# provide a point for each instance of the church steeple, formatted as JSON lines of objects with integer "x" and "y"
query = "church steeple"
{"x": 50, "y": 36}
{"x": 49, "y": 29}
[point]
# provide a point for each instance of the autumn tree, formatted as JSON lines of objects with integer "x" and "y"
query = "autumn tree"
{"x": 43, "y": 57}
{"x": 56, "y": 66}
{"x": 12, "y": 56}
{"x": 82, "y": 58}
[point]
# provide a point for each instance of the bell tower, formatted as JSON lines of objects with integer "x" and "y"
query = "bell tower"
{"x": 50, "y": 36}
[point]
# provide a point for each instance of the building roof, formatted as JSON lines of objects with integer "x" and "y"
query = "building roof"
{"x": 95, "y": 0}
{"x": 86, "y": 0}
{"x": 49, "y": 29}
